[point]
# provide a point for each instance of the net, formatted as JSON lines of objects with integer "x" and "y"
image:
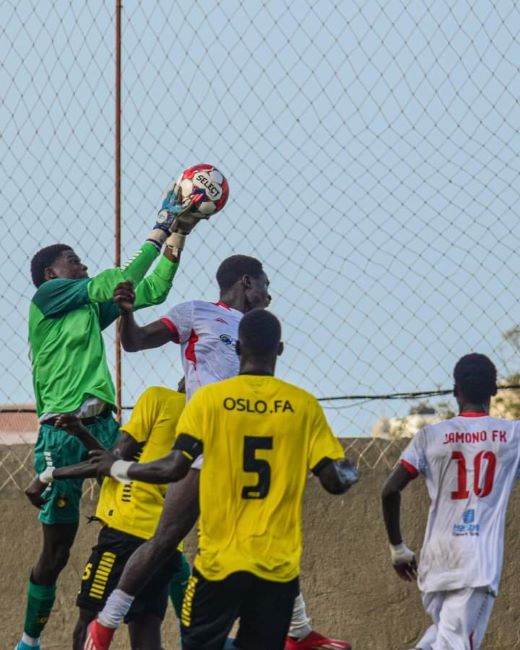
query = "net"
{"x": 371, "y": 152}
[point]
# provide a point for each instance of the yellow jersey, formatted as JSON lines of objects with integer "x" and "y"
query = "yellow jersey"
{"x": 260, "y": 437}
{"x": 135, "y": 508}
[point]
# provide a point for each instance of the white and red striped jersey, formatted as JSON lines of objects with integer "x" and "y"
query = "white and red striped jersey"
{"x": 470, "y": 464}
{"x": 207, "y": 333}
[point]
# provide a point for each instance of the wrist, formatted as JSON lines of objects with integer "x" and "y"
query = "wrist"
{"x": 119, "y": 470}
{"x": 175, "y": 243}
{"x": 157, "y": 237}
{"x": 47, "y": 475}
{"x": 401, "y": 554}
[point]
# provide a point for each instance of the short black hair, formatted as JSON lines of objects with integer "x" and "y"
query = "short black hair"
{"x": 476, "y": 377}
{"x": 236, "y": 266}
{"x": 44, "y": 258}
{"x": 260, "y": 332}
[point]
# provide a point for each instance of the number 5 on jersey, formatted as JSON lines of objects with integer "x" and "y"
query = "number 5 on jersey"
{"x": 259, "y": 466}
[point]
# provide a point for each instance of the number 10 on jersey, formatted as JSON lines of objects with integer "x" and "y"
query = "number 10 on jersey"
{"x": 482, "y": 486}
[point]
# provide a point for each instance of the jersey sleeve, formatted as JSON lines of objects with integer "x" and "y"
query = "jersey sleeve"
{"x": 413, "y": 458}
{"x": 323, "y": 443}
{"x": 154, "y": 288}
{"x": 144, "y": 414}
{"x": 179, "y": 320}
{"x": 101, "y": 286}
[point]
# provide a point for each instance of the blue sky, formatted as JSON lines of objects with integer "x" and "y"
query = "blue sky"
{"x": 371, "y": 151}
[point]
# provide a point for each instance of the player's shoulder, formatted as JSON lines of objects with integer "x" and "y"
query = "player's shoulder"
{"x": 196, "y": 307}
{"x": 162, "y": 394}
{"x": 461, "y": 422}
{"x": 206, "y": 307}
{"x": 296, "y": 392}
{"x": 60, "y": 294}
{"x": 57, "y": 285}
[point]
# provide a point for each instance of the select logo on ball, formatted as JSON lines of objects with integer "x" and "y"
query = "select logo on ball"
{"x": 202, "y": 179}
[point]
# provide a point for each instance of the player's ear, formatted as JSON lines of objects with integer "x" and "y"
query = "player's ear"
{"x": 237, "y": 348}
{"x": 246, "y": 281}
{"x": 280, "y": 349}
{"x": 49, "y": 273}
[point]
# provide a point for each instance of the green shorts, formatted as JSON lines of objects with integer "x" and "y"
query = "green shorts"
{"x": 57, "y": 448}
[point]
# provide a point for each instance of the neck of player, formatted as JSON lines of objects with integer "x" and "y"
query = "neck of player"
{"x": 251, "y": 365}
{"x": 473, "y": 407}
{"x": 235, "y": 299}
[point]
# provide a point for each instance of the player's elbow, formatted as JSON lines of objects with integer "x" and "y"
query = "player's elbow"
{"x": 338, "y": 476}
{"x": 336, "y": 487}
{"x": 129, "y": 345}
{"x": 389, "y": 492}
{"x": 333, "y": 483}
{"x": 172, "y": 472}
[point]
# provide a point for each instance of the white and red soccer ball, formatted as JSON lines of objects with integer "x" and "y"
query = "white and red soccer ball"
{"x": 206, "y": 186}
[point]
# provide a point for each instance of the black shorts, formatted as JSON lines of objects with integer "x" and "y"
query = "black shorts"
{"x": 211, "y": 607}
{"x": 105, "y": 566}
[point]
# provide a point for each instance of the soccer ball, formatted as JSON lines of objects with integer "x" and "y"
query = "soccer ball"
{"x": 206, "y": 186}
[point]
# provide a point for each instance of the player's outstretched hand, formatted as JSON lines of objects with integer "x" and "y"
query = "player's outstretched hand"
{"x": 404, "y": 562}
{"x": 34, "y": 492}
{"x": 102, "y": 460}
{"x": 71, "y": 424}
{"x": 124, "y": 296}
{"x": 174, "y": 213}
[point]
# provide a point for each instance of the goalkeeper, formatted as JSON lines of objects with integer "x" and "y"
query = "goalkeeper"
{"x": 70, "y": 375}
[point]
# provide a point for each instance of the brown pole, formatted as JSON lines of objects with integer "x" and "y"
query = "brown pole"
{"x": 117, "y": 189}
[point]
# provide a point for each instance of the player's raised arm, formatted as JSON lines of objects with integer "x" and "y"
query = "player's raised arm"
{"x": 64, "y": 285}
{"x": 199, "y": 192}
{"x": 170, "y": 228}
{"x": 133, "y": 336}
{"x": 403, "y": 559}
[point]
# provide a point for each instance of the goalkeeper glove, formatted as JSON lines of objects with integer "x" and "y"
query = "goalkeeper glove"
{"x": 181, "y": 222}
{"x": 171, "y": 209}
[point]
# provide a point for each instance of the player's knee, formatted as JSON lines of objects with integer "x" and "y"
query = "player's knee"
{"x": 58, "y": 559}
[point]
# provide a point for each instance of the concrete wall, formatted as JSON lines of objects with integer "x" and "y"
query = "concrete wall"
{"x": 348, "y": 582}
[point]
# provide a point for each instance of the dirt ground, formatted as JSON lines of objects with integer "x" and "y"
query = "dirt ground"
{"x": 347, "y": 580}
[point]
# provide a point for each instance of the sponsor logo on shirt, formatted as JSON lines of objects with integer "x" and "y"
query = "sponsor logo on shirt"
{"x": 468, "y": 525}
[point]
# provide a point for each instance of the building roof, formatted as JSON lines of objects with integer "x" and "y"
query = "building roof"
{"x": 18, "y": 423}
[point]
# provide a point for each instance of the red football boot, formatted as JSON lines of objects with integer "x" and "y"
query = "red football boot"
{"x": 99, "y": 637}
{"x": 316, "y": 641}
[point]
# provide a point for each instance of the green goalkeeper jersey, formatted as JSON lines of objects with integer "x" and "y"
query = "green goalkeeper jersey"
{"x": 66, "y": 319}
